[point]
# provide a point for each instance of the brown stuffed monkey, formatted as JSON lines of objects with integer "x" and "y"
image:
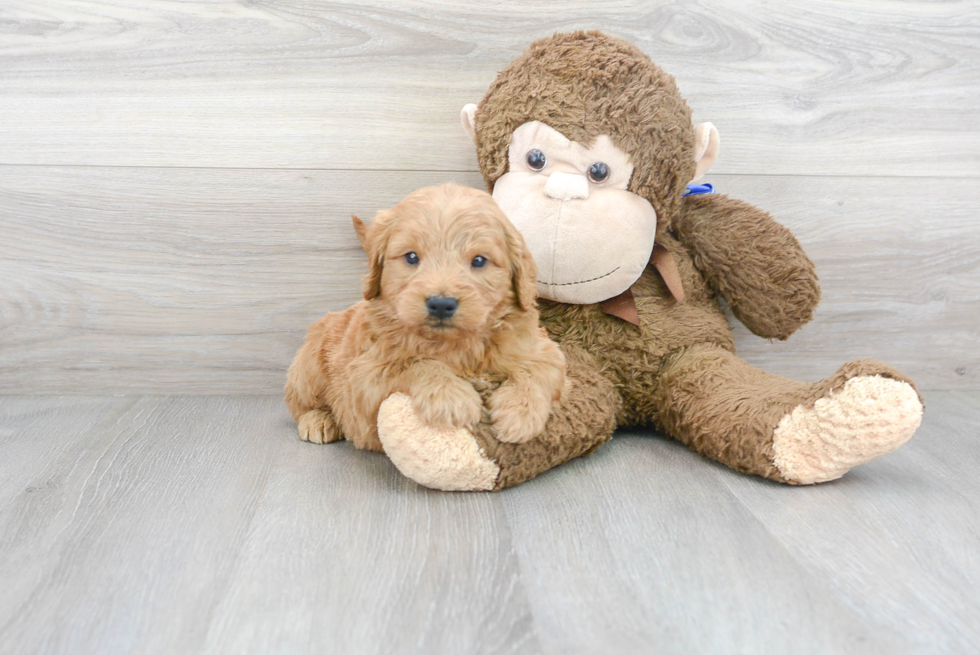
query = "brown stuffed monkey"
{"x": 588, "y": 147}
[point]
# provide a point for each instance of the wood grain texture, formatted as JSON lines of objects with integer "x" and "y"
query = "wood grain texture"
{"x": 899, "y": 268}
{"x": 190, "y": 281}
{"x": 203, "y": 525}
{"x": 128, "y": 526}
{"x": 344, "y": 555}
{"x": 915, "y": 511}
{"x": 36, "y": 433}
{"x": 647, "y": 552}
{"x": 203, "y": 281}
{"x": 796, "y": 87}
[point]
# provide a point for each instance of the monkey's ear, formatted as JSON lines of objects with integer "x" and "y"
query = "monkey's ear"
{"x": 468, "y": 118}
{"x": 706, "y": 144}
{"x": 361, "y": 229}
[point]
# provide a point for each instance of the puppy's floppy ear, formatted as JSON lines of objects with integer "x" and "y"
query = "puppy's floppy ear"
{"x": 361, "y": 229}
{"x": 374, "y": 240}
{"x": 523, "y": 270}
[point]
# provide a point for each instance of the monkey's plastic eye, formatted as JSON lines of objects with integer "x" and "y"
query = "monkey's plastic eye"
{"x": 479, "y": 261}
{"x": 536, "y": 160}
{"x": 598, "y": 172}
{"x": 411, "y": 259}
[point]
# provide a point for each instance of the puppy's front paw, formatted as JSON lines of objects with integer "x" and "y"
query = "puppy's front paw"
{"x": 456, "y": 404}
{"x": 518, "y": 415}
{"x": 318, "y": 426}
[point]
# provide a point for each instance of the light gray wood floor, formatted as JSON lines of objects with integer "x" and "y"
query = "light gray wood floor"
{"x": 202, "y": 524}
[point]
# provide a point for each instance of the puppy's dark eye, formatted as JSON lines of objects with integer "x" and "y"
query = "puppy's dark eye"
{"x": 412, "y": 259}
{"x": 479, "y": 261}
{"x": 536, "y": 160}
{"x": 598, "y": 172}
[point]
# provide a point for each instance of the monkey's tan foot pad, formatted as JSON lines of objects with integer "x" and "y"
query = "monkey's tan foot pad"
{"x": 318, "y": 426}
{"x": 867, "y": 417}
{"x": 439, "y": 458}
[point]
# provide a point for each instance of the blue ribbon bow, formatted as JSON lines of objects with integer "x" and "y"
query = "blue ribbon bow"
{"x": 698, "y": 189}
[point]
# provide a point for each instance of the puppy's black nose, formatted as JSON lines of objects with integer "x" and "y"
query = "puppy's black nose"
{"x": 440, "y": 306}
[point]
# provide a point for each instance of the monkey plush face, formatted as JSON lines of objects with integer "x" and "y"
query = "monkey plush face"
{"x": 587, "y": 145}
{"x": 590, "y": 237}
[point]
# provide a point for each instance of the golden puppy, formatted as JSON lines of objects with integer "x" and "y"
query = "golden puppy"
{"x": 449, "y": 297}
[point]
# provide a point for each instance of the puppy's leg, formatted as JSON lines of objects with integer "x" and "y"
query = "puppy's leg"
{"x": 521, "y": 406}
{"x": 367, "y": 382}
{"x": 442, "y": 398}
{"x": 319, "y": 426}
{"x": 305, "y": 380}
{"x": 364, "y": 433}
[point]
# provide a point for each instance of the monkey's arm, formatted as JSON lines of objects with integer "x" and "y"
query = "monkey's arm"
{"x": 755, "y": 263}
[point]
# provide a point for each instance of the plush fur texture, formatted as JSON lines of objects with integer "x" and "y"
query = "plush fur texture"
{"x": 589, "y": 250}
{"x": 677, "y": 371}
{"x": 824, "y": 441}
{"x": 426, "y": 247}
{"x": 771, "y": 286}
{"x": 439, "y": 458}
{"x": 464, "y": 460}
{"x": 584, "y": 85}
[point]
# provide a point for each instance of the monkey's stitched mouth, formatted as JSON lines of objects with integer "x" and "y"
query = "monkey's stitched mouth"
{"x": 568, "y": 284}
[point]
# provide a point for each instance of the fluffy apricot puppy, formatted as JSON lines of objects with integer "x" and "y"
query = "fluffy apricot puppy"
{"x": 449, "y": 297}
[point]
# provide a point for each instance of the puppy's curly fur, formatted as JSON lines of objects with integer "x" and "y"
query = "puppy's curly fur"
{"x": 447, "y": 242}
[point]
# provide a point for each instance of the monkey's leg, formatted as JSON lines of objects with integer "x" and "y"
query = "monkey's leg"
{"x": 764, "y": 424}
{"x": 460, "y": 460}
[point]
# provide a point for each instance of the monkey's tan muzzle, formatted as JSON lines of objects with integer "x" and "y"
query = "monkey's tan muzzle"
{"x": 589, "y": 245}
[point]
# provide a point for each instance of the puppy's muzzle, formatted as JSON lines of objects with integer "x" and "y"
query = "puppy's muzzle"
{"x": 441, "y": 307}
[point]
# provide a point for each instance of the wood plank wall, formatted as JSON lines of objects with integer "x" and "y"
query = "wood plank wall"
{"x": 176, "y": 178}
